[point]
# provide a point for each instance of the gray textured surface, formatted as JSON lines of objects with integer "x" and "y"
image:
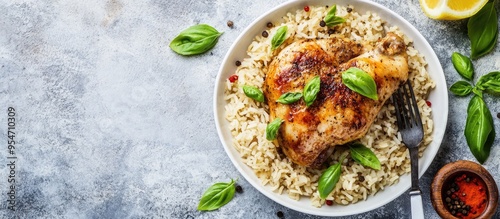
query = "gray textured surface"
{"x": 112, "y": 124}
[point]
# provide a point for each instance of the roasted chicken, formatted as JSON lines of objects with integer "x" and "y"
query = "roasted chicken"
{"x": 338, "y": 115}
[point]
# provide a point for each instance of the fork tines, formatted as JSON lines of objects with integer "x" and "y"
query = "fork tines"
{"x": 407, "y": 112}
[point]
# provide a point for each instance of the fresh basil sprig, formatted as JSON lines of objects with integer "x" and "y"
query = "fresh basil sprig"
{"x": 253, "y": 92}
{"x": 360, "y": 82}
{"x": 195, "y": 40}
{"x": 479, "y": 130}
{"x": 461, "y": 88}
{"x": 490, "y": 83}
{"x": 279, "y": 37}
{"x": 329, "y": 179}
{"x": 289, "y": 97}
{"x": 217, "y": 196}
{"x": 364, "y": 156}
{"x": 463, "y": 65}
{"x": 483, "y": 30}
{"x": 331, "y": 19}
{"x": 311, "y": 90}
{"x": 272, "y": 129}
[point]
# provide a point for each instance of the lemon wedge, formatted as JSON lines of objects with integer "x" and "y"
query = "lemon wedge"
{"x": 451, "y": 9}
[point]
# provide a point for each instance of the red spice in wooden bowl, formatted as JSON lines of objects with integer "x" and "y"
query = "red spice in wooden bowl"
{"x": 464, "y": 195}
{"x": 464, "y": 189}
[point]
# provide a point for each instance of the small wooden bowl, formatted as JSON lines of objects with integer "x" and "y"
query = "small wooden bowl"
{"x": 463, "y": 167}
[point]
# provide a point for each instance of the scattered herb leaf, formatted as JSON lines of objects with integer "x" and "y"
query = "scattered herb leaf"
{"x": 254, "y": 93}
{"x": 328, "y": 180}
{"x": 463, "y": 65}
{"x": 289, "y": 98}
{"x": 479, "y": 129}
{"x": 311, "y": 90}
{"x": 490, "y": 83}
{"x": 217, "y": 196}
{"x": 195, "y": 40}
{"x": 272, "y": 129}
{"x": 461, "y": 88}
{"x": 483, "y": 30}
{"x": 279, "y": 37}
{"x": 360, "y": 82}
{"x": 331, "y": 19}
{"x": 364, "y": 156}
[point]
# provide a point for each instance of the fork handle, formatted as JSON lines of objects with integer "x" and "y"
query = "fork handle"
{"x": 417, "y": 209}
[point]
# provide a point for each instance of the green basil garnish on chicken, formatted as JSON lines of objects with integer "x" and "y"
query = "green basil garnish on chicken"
{"x": 217, "y": 196}
{"x": 272, "y": 129}
{"x": 311, "y": 90}
{"x": 479, "y": 128}
{"x": 328, "y": 180}
{"x": 483, "y": 30}
{"x": 289, "y": 97}
{"x": 364, "y": 156}
{"x": 461, "y": 88}
{"x": 331, "y": 19}
{"x": 360, "y": 82}
{"x": 279, "y": 37}
{"x": 253, "y": 92}
{"x": 463, "y": 65}
{"x": 195, "y": 40}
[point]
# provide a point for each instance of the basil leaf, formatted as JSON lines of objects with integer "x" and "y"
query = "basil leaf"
{"x": 195, "y": 40}
{"x": 479, "y": 130}
{"x": 463, "y": 65}
{"x": 272, "y": 129}
{"x": 360, "y": 82}
{"x": 329, "y": 179}
{"x": 279, "y": 37}
{"x": 311, "y": 90}
{"x": 461, "y": 88}
{"x": 332, "y": 20}
{"x": 254, "y": 93}
{"x": 477, "y": 91}
{"x": 217, "y": 196}
{"x": 490, "y": 83}
{"x": 289, "y": 97}
{"x": 483, "y": 30}
{"x": 364, "y": 156}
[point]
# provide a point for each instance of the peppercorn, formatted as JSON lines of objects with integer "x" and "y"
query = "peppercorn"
{"x": 322, "y": 23}
{"x": 329, "y": 202}
{"x": 269, "y": 25}
{"x": 230, "y": 24}
{"x": 349, "y": 10}
{"x": 448, "y": 199}
{"x": 280, "y": 214}
{"x": 306, "y": 8}
{"x": 237, "y": 63}
{"x": 239, "y": 189}
{"x": 361, "y": 178}
{"x": 265, "y": 34}
{"x": 331, "y": 31}
{"x": 498, "y": 115}
{"x": 429, "y": 104}
{"x": 233, "y": 78}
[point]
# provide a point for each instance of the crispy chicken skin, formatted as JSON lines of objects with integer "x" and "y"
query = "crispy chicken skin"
{"x": 338, "y": 115}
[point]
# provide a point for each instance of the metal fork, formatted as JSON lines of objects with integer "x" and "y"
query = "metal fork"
{"x": 412, "y": 133}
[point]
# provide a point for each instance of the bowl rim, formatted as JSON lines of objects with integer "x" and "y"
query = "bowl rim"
{"x": 394, "y": 190}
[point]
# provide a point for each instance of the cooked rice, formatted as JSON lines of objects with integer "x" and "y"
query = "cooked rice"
{"x": 248, "y": 119}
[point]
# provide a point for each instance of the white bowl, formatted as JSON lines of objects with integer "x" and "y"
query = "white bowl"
{"x": 438, "y": 97}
